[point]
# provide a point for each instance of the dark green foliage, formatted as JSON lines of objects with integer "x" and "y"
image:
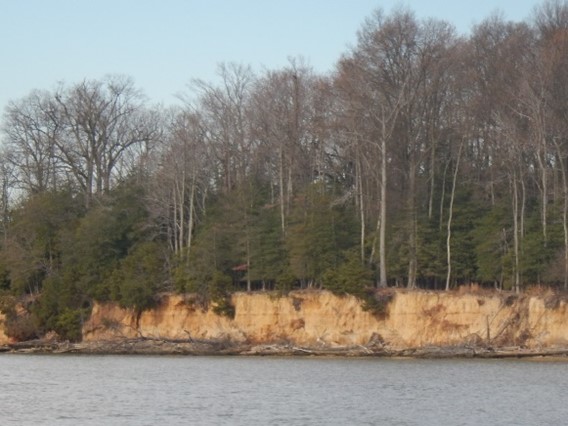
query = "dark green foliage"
{"x": 224, "y": 307}
{"x": 139, "y": 276}
{"x": 377, "y": 301}
{"x": 61, "y": 308}
{"x": 104, "y": 237}
{"x": 4, "y": 276}
{"x": 210, "y": 286}
{"x": 268, "y": 251}
{"x": 465, "y": 219}
{"x": 207, "y": 270}
{"x": 397, "y": 253}
{"x": 285, "y": 281}
{"x": 538, "y": 254}
{"x": 349, "y": 277}
{"x": 352, "y": 277}
{"x": 65, "y": 257}
{"x": 219, "y": 286}
{"x": 318, "y": 234}
{"x": 69, "y": 323}
{"x": 493, "y": 246}
{"x": 34, "y": 247}
{"x": 432, "y": 257}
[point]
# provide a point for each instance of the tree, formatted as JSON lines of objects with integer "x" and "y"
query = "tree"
{"x": 283, "y": 109}
{"x": 139, "y": 276}
{"x": 368, "y": 70}
{"x": 320, "y": 232}
{"x": 398, "y": 70}
{"x": 101, "y": 121}
{"x": 105, "y": 236}
{"x": 34, "y": 243}
{"x": 207, "y": 273}
{"x": 450, "y": 217}
{"x": 551, "y": 22}
{"x": 349, "y": 277}
{"x": 270, "y": 263}
{"x": 224, "y": 114}
{"x": 179, "y": 187}
{"x": 31, "y": 128}
{"x": 492, "y": 247}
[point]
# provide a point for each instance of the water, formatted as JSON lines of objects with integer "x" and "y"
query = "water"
{"x": 136, "y": 390}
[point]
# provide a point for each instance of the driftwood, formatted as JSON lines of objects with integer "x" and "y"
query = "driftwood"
{"x": 189, "y": 346}
{"x": 523, "y": 353}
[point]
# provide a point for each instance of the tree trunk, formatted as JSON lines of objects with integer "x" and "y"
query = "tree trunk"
{"x": 412, "y": 238}
{"x": 175, "y": 221}
{"x": 433, "y": 153}
{"x": 191, "y": 212}
{"x": 383, "y": 212}
{"x": 281, "y": 185}
{"x": 443, "y": 196}
{"x": 181, "y": 214}
{"x": 516, "y": 274}
{"x": 544, "y": 199}
{"x": 450, "y": 217}
{"x": 249, "y": 284}
{"x": 361, "y": 203}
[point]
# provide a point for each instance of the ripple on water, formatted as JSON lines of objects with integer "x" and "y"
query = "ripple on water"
{"x": 121, "y": 390}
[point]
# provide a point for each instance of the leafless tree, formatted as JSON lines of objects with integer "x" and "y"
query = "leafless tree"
{"x": 101, "y": 121}
{"x": 32, "y": 128}
{"x": 181, "y": 179}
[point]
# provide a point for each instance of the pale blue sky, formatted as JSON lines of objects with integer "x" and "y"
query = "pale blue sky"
{"x": 162, "y": 44}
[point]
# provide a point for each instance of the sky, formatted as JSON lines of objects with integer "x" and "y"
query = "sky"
{"x": 164, "y": 44}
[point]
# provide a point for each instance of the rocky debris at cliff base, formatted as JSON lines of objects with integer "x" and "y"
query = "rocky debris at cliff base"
{"x": 125, "y": 346}
{"x": 289, "y": 349}
{"x": 155, "y": 346}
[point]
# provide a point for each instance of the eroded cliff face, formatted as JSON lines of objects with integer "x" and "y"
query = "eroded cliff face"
{"x": 3, "y": 338}
{"x": 319, "y": 318}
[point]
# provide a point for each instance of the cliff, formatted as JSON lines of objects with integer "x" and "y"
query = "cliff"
{"x": 3, "y": 338}
{"x": 412, "y": 319}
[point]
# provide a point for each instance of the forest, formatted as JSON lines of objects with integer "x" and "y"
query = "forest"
{"x": 424, "y": 159}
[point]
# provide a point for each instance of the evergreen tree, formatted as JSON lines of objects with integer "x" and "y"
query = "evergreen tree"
{"x": 492, "y": 241}
{"x": 318, "y": 234}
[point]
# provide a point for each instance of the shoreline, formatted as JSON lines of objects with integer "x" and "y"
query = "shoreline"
{"x": 155, "y": 346}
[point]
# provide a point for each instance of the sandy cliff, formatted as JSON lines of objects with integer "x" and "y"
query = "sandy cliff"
{"x": 314, "y": 318}
{"x": 3, "y": 338}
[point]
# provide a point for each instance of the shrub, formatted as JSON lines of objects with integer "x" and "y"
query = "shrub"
{"x": 285, "y": 282}
{"x": 68, "y": 325}
{"x": 351, "y": 277}
{"x": 224, "y": 307}
{"x": 377, "y": 301}
{"x": 135, "y": 282}
{"x": 22, "y": 328}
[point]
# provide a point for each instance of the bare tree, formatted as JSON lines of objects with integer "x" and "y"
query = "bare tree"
{"x": 180, "y": 183}
{"x": 281, "y": 101}
{"x": 546, "y": 90}
{"x": 8, "y": 177}
{"x": 398, "y": 71}
{"x": 450, "y": 217}
{"x": 32, "y": 128}
{"x": 224, "y": 113}
{"x": 101, "y": 121}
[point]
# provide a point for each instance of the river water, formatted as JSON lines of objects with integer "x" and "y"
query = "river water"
{"x": 164, "y": 390}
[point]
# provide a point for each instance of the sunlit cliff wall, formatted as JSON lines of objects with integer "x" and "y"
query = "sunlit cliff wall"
{"x": 3, "y": 338}
{"x": 319, "y": 318}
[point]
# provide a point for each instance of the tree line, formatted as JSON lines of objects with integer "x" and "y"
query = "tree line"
{"x": 425, "y": 158}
